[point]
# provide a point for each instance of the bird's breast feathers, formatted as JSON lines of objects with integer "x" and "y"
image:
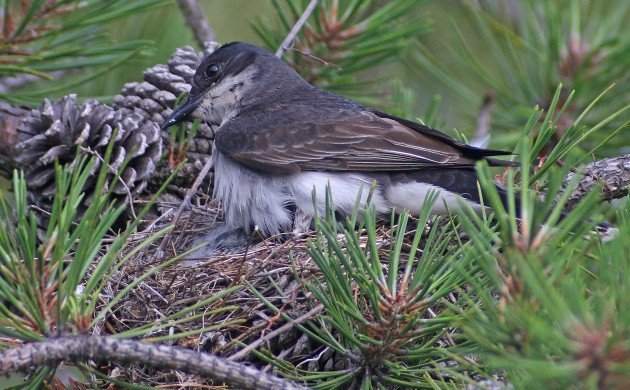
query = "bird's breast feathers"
{"x": 266, "y": 201}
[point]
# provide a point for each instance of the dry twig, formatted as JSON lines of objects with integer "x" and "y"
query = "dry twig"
{"x": 242, "y": 353}
{"x": 296, "y": 28}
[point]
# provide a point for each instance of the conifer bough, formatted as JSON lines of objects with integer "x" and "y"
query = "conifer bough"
{"x": 103, "y": 349}
{"x": 612, "y": 173}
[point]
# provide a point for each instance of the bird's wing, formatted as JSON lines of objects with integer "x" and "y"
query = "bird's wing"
{"x": 273, "y": 140}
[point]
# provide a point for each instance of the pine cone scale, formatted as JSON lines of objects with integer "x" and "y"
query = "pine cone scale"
{"x": 61, "y": 130}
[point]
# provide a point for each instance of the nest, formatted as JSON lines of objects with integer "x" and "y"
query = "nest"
{"x": 276, "y": 269}
{"x": 265, "y": 264}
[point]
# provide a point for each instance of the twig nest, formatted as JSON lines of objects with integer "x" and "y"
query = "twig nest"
{"x": 62, "y": 130}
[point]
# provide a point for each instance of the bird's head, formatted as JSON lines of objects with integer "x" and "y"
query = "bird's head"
{"x": 234, "y": 76}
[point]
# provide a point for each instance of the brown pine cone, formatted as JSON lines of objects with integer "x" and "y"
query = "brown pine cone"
{"x": 62, "y": 130}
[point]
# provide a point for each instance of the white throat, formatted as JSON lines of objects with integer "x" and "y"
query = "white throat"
{"x": 222, "y": 101}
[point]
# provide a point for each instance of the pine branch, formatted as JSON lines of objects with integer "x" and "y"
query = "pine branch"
{"x": 582, "y": 49}
{"x": 349, "y": 38}
{"x": 46, "y": 39}
{"x": 197, "y": 21}
{"x": 104, "y": 349}
{"x": 612, "y": 173}
{"x": 532, "y": 278}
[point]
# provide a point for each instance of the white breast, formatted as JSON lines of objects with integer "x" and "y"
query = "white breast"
{"x": 345, "y": 188}
{"x": 249, "y": 198}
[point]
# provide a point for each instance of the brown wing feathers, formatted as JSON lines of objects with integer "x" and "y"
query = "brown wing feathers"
{"x": 354, "y": 141}
{"x": 474, "y": 152}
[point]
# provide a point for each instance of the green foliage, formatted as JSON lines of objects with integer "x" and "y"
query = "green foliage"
{"x": 44, "y": 36}
{"x": 343, "y": 40}
{"x": 385, "y": 301}
{"x": 581, "y": 131}
{"x": 38, "y": 273}
{"x": 552, "y": 295}
{"x": 522, "y": 50}
{"x": 542, "y": 126}
{"x": 53, "y": 286}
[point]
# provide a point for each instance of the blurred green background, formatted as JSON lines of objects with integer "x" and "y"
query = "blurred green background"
{"x": 522, "y": 82}
{"x": 231, "y": 20}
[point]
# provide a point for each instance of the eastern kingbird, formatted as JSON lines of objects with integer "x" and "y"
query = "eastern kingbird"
{"x": 279, "y": 138}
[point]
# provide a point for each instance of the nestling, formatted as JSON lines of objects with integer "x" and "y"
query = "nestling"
{"x": 280, "y": 137}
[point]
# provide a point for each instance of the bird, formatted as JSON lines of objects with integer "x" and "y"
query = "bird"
{"x": 280, "y": 139}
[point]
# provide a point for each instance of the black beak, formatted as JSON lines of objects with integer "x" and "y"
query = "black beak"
{"x": 182, "y": 113}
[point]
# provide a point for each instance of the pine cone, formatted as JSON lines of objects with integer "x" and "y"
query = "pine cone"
{"x": 58, "y": 130}
{"x": 10, "y": 119}
{"x": 154, "y": 99}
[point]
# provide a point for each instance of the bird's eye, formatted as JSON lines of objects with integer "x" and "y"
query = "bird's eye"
{"x": 212, "y": 70}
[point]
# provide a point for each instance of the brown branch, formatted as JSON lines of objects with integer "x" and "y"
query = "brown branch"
{"x": 108, "y": 349}
{"x": 612, "y": 173}
{"x": 296, "y": 28}
{"x": 197, "y": 21}
{"x": 186, "y": 202}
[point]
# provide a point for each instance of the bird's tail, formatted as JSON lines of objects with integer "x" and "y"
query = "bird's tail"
{"x": 464, "y": 182}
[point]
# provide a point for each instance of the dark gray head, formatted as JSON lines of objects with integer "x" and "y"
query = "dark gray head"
{"x": 234, "y": 76}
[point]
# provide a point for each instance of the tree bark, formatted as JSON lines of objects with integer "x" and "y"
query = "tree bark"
{"x": 612, "y": 173}
{"x": 108, "y": 349}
